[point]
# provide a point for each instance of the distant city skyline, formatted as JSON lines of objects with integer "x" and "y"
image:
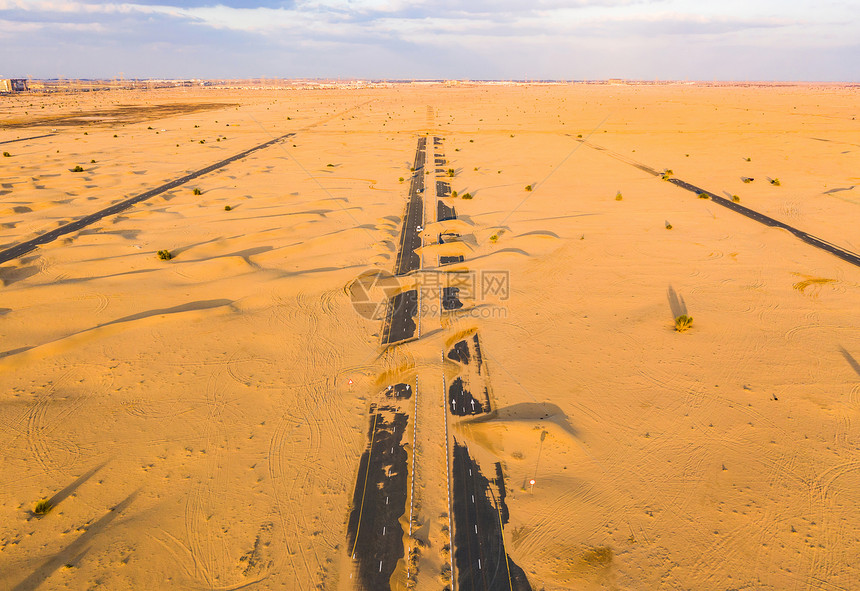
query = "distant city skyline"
{"x": 793, "y": 40}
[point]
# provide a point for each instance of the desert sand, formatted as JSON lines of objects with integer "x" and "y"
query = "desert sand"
{"x": 198, "y": 422}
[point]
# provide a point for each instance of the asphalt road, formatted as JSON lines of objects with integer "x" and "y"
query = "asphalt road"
{"x": 444, "y": 212}
{"x": 399, "y": 321}
{"x": 24, "y": 139}
{"x": 407, "y": 259}
{"x": 23, "y": 248}
{"x": 461, "y": 403}
{"x": 403, "y": 308}
{"x": 481, "y": 560}
{"x": 845, "y": 255}
{"x": 374, "y": 532}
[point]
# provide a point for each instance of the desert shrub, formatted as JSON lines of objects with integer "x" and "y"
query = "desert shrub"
{"x": 202, "y": 141}
{"x": 703, "y": 195}
{"x": 86, "y": 133}
{"x": 494, "y": 238}
{"x": 747, "y": 179}
{"x": 471, "y": 141}
{"x": 7, "y": 155}
{"x": 164, "y": 255}
{"x": 579, "y": 135}
{"x": 748, "y": 159}
{"x": 43, "y": 507}
{"x": 150, "y": 127}
{"x": 411, "y": 169}
{"x": 528, "y": 187}
{"x": 774, "y": 182}
{"x": 78, "y": 168}
{"x": 401, "y": 179}
{"x": 453, "y": 193}
{"x": 668, "y": 226}
{"x": 93, "y": 161}
{"x": 197, "y": 191}
{"x": 466, "y": 196}
{"x": 618, "y": 196}
{"x": 683, "y": 322}
{"x": 115, "y": 135}
{"x": 227, "y": 208}
{"x": 329, "y": 165}
{"x": 736, "y": 199}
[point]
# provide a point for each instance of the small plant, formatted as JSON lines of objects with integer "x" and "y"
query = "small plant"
{"x": 748, "y": 159}
{"x": 494, "y": 238}
{"x": 86, "y": 133}
{"x": 528, "y": 187}
{"x": 411, "y": 169}
{"x": 736, "y": 199}
{"x": 202, "y": 141}
{"x": 227, "y": 208}
{"x": 197, "y": 191}
{"x": 475, "y": 169}
{"x": 78, "y": 168}
{"x": 774, "y": 182}
{"x": 7, "y": 155}
{"x": 93, "y": 161}
{"x": 196, "y": 126}
{"x": 703, "y": 195}
{"x": 668, "y": 226}
{"x": 747, "y": 179}
{"x": 618, "y": 196}
{"x": 466, "y": 196}
{"x": 150, "y": 127}
{"x": 329, "y": 165}
{"x": 401, "y": 179}
{"x": 683, "y": 322}
{"x": 471, "y": 141}
{"x": 579, "y": 135}
{"x": 115, "y": 135}
{"x": 453, "y": 193}
{"x": 43, "y": 507}
{"x": 164, "y": 255}
{"x": 450, "y": 172}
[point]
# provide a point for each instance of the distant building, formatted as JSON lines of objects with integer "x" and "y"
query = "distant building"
{"x": 13, "y": 85}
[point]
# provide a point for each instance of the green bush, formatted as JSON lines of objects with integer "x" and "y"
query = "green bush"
{"x": 7, "y": 155}
{"x": 703, "y": 195}
{"x": 748, "y": 159}
{"x": 43, "y": 507}
{"x": 747, "y": 179}
{"x": 453, "y": 193}
{"x": 227, "y": 208}
{"x": 93, "y": 161}
{"x": 329, "y": 165}
{"x": 668, "y": 226}
{"x": 736, "y": 199}
{"x": 401, "y": 179}
{"x": 197, "y": 191}
{"x": 683, "y": 322}
{"x": 528, "y": 187}
{"x": 164, "y": 255}
{"x": 450, "y": 172}
{"x": 466, "y": 196}
{"x": 78, "y": 168}
{"x": 494, "y": 238}
{"x": 774, "y": 182}
{"x": 618, "y": 196}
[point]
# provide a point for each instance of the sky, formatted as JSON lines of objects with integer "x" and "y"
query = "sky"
{"x": 791, "y": 40}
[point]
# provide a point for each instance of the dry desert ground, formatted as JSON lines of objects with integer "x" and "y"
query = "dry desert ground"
{"x": 202, "y": 422}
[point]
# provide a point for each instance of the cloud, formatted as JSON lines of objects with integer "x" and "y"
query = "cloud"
{"x": 400, "y": 38}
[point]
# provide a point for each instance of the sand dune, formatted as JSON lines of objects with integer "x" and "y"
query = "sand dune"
{"x": 198, "y": 422}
